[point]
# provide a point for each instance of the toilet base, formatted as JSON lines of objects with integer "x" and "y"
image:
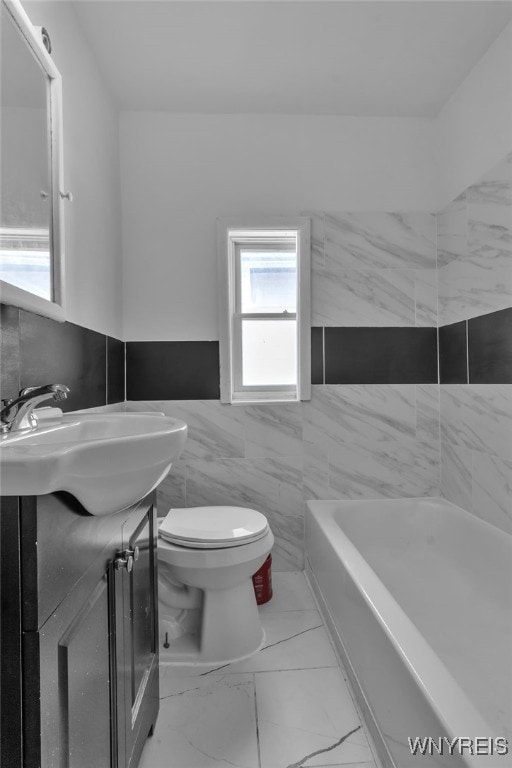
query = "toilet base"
{"x": 230, "y": 630}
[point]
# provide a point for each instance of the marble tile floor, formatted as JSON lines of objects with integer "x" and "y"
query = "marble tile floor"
{"x": 289, "y": 706}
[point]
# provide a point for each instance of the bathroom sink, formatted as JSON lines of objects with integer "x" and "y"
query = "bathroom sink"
{"x": 108, "y": 461}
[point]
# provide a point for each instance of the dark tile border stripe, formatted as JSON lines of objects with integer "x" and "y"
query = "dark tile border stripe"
{"x": 453, "y": 358}
{"x": 115, "y": 370}
{"x": 381, "y": 355}
{"x": 490, "y": 348}
{"x": 172, "y": 370}
{"x": 64, "y": 353}
{"x": 317, "y": 355}
{"x": 9, "y": 351}
{"x": 37, "y": 350}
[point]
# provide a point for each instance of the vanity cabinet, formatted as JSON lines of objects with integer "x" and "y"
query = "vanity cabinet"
{"x": 79, "y": 633}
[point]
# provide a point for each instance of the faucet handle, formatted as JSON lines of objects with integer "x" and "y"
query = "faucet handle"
{"x": 60, "y": 391}
{"x": 57, "y": 391}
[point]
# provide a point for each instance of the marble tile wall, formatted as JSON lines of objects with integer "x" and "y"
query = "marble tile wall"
{"x": 476, "y": 450}
{"x": 364, "y": 441}
{"x": 475, "y": 248}
{"x": 374, "y": 269}
{"x": 475, "y": 278}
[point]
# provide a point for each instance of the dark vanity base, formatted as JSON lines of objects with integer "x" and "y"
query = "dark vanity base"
{"x": 79, "y": 652}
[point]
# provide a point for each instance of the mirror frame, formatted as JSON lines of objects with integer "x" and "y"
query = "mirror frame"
{"x": 11, "y": 294}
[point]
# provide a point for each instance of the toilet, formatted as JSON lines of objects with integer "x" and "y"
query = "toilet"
{"x": 206, "y": 559}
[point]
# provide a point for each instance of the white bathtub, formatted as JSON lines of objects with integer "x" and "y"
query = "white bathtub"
{"x": 418, "y": 593}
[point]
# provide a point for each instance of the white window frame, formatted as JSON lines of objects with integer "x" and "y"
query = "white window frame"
{"x": 231, "y": 234}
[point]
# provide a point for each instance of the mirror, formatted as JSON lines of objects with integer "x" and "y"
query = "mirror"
{"x": 30, "y": 220}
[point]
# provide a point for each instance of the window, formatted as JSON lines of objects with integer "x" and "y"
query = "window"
{"x": 264, "y": 310}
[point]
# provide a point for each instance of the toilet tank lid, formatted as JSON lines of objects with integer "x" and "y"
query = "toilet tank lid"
{"x": 222, "y": 524}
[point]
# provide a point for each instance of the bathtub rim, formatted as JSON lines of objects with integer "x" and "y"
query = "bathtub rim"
{"x": 424, "y": 665}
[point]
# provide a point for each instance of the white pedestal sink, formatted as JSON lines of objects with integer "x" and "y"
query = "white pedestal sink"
{"x": 108, "y": 461}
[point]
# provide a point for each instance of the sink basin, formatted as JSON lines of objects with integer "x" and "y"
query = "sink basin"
{"x": 108, "y": 461}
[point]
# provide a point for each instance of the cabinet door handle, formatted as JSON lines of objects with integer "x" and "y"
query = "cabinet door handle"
{"x": 124, "y": 562}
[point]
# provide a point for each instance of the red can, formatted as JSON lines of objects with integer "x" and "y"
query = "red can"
{"x": 262, "y": 582}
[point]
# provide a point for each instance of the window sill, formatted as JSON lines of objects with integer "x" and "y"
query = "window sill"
{"x": 258, "y": 398}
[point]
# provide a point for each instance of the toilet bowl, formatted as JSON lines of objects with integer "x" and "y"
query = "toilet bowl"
{"x": 206, "y": 558}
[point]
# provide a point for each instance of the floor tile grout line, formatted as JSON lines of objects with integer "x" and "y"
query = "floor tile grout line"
{"x": 291, "y": 637}
{"x": 285, "y": 610}
{"x": 180, "y": 693}
{"x": 259, "y": 672}
{"x": 293, "y": 669}
{"x": 201, "y": 688}
{"x": 364, "y": 763}
{"x": 265, "y": 647}
{"x": 256, "y": 718}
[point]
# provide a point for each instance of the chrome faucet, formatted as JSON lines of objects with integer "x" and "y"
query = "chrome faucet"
{"x": 19, "y": 413}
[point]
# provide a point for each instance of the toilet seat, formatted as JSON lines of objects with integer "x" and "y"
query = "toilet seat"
{"x": 213, "y": 527}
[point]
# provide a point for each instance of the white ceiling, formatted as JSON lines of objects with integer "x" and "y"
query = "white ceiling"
{"x": 330, "y": 58}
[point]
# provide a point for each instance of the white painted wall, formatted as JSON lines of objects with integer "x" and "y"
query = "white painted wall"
{"x": 180, "y": 172}
{"x": 93, "y": 280}
{"x": 473, "y": 131}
